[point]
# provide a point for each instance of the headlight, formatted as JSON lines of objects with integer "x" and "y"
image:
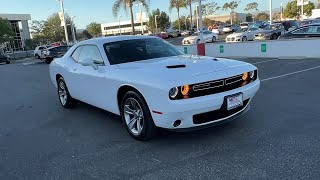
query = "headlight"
{"x": 185, "y": 90}
{"x": 173, "y": 92}
{"x": 251, "y": 74}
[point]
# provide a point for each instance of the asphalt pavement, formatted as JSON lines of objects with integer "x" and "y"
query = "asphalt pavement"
{"x": 277, "y": 139}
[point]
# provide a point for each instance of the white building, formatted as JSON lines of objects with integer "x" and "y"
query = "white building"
{"x": 124, "y": 27}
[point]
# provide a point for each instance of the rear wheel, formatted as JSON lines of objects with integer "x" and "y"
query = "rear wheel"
{"x": 214, "y": 39}
{"x": 64, "y": 96}
{"x": 244, "y": 38}
{"x": 7, "y": 62}
{"x": 274, "y": 36}
{"x": 48, "y": 60}
{"x": 136, "y": 116}
{"x": 198, "y": 41}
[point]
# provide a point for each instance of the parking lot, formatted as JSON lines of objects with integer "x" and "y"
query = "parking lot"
{"x": 277, "y": 139}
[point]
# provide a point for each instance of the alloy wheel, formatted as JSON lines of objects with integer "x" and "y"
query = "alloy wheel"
{"x": 62, "y": 93}
{"x": 133, "y": 115}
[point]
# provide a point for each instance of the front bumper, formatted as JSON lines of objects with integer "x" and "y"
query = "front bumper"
{"x": 185, "y": 110}
{"x": 233, "y": 39}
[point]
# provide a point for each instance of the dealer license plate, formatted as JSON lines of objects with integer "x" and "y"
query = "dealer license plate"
{"x": 234, "y": 101}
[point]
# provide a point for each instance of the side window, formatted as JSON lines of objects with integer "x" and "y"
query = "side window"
{"x": 91, "y": 51}
{"x": 313, "y": 30}
{"x": 75, "y": 55}
{"x": 300, "y": 31}
{"x": 41, "y": 48}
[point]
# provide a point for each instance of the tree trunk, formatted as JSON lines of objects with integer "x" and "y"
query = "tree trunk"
{"x": 132, "y": 19}
{"x": 191, "y": 22}
{"x": 178, "y": 18}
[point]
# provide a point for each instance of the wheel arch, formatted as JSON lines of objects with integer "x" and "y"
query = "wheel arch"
{"x": 123, "y": 90}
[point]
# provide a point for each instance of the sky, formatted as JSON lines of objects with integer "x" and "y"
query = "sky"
{"x": 100, "y": 11}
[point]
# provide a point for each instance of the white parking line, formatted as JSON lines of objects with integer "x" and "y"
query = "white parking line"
{"x": 266, "y": 61}
{"x": 296, "y": 72}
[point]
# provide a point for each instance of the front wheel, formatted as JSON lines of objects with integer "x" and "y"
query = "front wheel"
{"x": 64, "y": 96}
{"x": 244, "y": 38}
{"x": 214, "y": 39}
{"x": 136, "y": 116}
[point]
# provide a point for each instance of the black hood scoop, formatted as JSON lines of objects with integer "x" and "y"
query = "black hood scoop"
{"x": 176, "y": 66}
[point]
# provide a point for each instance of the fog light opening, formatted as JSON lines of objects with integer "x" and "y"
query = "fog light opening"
{"x": 177, "y": 123}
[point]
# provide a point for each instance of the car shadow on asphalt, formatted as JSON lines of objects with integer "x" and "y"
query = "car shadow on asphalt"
{"x": 114, "y": 123}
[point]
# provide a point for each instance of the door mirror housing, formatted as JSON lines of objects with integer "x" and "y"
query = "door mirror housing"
{"x": 89, "y": 62}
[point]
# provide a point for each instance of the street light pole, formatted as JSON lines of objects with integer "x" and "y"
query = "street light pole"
{"x": 119, "y": 25}
{"x": 185, "y": 19}
{"x": 73, "y": 31}
{"x": 302, "y": 5}
{"x": 281, "y": 9}
{"x": 270, "y": 1}
{"x": 155, "y": 20}
{"x": 64, "y": 21}
{"x": 141, "y": 19}
{"x": 200, "y": 16}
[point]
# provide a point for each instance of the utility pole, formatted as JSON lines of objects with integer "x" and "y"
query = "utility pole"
{"x": 281, "y": 9}
{"x": 302, "y": 5}
{"x": 270, "y": 1}
{"x": 155, "y": 21}
{"x": 185, "y": 21}
{"x": 73, "y": 31}
{"x": 200, "y": 16}
{"x": 64, "y": 21}
{"x": 119, "y": 25}
{"x": 141, "y": 19}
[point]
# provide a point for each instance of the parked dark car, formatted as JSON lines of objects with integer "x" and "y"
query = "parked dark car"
{"x": 54, "y": 52}
{"x": 262, "y": 24}
{"x": 290, "y": 25}
{"x": 4, "y": 58}
{"x": 307, "y": 31}
{"x": 271, "y": 32}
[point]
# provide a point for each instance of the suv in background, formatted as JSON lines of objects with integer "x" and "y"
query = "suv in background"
{"x": 54, "y": 52}
{"x": 38, "y": 50}
{"x": 230, "y": 28}
{"x": 290, "y": 25}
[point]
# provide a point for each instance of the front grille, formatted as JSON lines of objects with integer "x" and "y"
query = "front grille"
{"x": 216, "y": 86}
{"x": 217, "y": 114}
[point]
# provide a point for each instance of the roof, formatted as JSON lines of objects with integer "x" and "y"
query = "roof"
{"x": 109, "y": 39}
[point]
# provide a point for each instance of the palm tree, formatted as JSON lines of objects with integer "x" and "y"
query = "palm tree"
{"x": 189, "y": 2}
{"x": 177, "y": 4}
{"x": 125, "y": 4}
{"x": 232, "y": 6}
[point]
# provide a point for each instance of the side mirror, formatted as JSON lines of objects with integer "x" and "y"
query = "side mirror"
{"x": 89, "y": 62}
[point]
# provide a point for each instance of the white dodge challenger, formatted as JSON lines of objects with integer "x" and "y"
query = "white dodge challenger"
{"x": 152, "y": 84}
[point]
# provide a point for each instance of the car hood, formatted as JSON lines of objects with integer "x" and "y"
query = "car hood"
{"x": 191, "y": 38}
{"x": 235, "y": 35}
{"x": 181, "y": 67}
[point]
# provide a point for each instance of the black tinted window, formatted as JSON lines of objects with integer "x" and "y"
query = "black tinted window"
{"x": 138, "y": 50}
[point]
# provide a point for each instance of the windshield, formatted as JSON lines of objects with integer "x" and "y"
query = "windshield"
{"x": 242, "y": 30}
{"x": 272, "y": 27}
{"x": 139, "y": 50}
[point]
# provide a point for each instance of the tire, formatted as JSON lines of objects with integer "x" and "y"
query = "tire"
{"x": 48, "y": 60}
{"x": 7, "y": 62}
{"x": 198, "y": 41}
{"x": 64, "y": 96}
{"x": 274, "y": 36}
{"x": 214, "y": 39}
{"x": 130, "y": 105}
{"x": 244, "y": 38}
